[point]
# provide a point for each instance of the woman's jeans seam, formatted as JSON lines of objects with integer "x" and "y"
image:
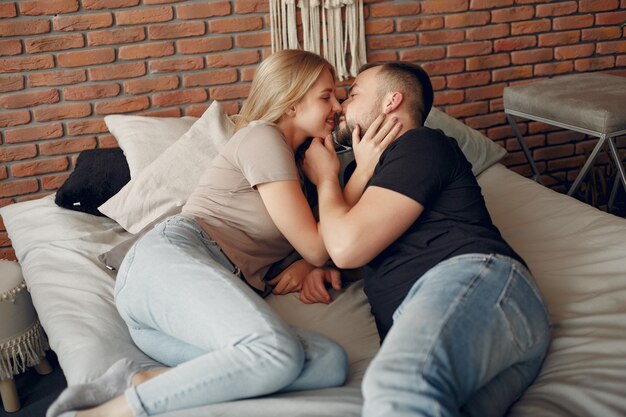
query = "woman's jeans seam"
{"x": 266, "y": 354}
{"x": 227, "y": 281}
{"x": 181, "y": 221}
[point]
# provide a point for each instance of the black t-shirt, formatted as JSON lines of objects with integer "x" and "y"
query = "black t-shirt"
{"x": 430, "y": 168}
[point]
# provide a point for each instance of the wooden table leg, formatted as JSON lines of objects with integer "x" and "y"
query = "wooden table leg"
{"x": 8, "y": 392}
{"x": 43, "y": 367}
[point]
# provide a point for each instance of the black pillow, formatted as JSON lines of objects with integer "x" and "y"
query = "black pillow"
{"x": 98, "y": 176}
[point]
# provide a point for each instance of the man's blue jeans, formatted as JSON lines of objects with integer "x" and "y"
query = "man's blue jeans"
{"x": 468, "y": 339}
{"x": 185, "y": 308}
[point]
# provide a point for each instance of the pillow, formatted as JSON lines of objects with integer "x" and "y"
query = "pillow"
{"x": 99, "y": 174}
{"x": 144, "y": 138}
{"x": 169, "y": 180}
{"x": 479, "y": 150}
{"x": 113, "y": 258}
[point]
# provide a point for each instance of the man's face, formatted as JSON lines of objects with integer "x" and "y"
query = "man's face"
{"x": 363, "y": 105}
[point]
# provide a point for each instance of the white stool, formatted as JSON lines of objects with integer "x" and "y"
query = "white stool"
{"x": 589, "y": 103}
{"x": 23, "y": 342}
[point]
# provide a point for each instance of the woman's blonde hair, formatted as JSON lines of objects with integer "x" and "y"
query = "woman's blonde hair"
{"x": 279, "y": 83}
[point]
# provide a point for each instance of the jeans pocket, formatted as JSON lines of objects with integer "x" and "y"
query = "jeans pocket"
{"x": 522, "y": 312}
{"x": 122, "y": 273}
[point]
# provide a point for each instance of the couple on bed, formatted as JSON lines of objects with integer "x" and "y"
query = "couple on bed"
{"x": 464, "y": 328}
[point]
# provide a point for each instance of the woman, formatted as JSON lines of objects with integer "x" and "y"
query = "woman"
{"x": 179, "y": 288}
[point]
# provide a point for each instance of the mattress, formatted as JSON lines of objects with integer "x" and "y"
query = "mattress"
{"x": 575, "y": 252}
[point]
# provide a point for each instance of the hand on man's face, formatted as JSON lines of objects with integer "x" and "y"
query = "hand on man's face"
{"x": 368, "y": 148}
{"x": 320, "y": 160}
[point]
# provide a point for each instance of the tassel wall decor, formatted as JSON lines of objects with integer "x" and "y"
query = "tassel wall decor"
{"x": 324, "y": 30}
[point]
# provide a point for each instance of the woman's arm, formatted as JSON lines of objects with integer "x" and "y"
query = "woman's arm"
{"x": 292, "y": 278}
{"x": 355, "y": 235}
{"x": 287, "y": 206}
{"x": 310, "y": 281}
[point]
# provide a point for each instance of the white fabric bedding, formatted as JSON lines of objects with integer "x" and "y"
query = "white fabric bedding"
{"x": 72, "y": 293}
{"x": 575, "y": 252}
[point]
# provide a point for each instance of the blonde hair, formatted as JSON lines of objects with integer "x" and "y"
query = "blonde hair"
{"x": 279, "y": 83}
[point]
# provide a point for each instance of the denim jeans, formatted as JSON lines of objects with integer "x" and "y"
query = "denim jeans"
{"x": 468, "y": 339}
{"x": 186, "y": 308}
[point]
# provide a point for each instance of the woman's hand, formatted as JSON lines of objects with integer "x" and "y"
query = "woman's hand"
{"x": 320, "y": 160}
{"x": 314, "y": 287}
{"x": 368, "y": 149}
{"x": 292, "y": 278}
{"x": 308, "y": 280}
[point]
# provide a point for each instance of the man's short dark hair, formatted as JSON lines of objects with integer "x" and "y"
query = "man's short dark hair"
{"x": 411, "y": 80}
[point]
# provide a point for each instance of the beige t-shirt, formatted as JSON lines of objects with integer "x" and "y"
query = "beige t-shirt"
{"x": 228, "y": 206}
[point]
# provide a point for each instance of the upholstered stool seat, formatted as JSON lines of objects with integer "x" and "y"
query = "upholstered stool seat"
{"x": 590, "y": 103}
{"x": 23, "y": 342}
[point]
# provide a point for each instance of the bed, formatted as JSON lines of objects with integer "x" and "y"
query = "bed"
{"x": 576, "y": 252}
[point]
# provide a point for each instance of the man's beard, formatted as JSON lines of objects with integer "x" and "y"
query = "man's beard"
{"x": 343, "y": 135}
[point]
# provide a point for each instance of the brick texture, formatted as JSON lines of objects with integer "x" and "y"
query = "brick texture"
{"x": 65, "y": 64}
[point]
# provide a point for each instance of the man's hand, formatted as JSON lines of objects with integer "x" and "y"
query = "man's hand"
{"x": 320, "y": 160}
{"x": 292, "y": 278}
{"x": 314, "y": 287}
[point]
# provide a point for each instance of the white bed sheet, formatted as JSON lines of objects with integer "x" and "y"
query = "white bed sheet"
{"x": 576, "y": 253}
{"x": 578, "y": 257}
{"x": 72, "y": 292}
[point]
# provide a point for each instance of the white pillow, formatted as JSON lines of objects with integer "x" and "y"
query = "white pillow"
{"x": 479, "y": 150}
{"x": 144, "y": 138}
{"x": 168, "y": 181}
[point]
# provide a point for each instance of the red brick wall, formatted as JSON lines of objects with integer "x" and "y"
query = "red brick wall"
{"x": 64, "y": 64}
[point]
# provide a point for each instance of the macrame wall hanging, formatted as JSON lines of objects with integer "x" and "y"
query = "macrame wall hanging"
{"x": 323, "y": 30}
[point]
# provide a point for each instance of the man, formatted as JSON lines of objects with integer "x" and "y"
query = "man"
{"x": 465, "y": 330}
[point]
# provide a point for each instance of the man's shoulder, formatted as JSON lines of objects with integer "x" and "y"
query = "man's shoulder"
{"x": 429, "y": 134}
{"x": 425, "y": 151}
{"x": 423, "y": 139}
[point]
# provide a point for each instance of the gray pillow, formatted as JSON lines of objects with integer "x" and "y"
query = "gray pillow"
{"x": 479, "y": 150}
{"x": 113, "y": 258}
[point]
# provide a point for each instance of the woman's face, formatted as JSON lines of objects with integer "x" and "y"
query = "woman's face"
{"x": 315, "y": 113}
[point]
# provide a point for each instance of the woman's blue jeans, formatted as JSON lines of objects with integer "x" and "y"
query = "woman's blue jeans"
{"x": 468, "y": 339}
{"x": 186, "y": 308}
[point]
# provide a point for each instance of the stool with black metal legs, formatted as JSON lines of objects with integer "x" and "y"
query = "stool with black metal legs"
{"x": 589, "y": 103}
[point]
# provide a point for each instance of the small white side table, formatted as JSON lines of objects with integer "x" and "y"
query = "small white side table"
{"x": 589, "y": 103}
{"x": 23, "y": 342}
